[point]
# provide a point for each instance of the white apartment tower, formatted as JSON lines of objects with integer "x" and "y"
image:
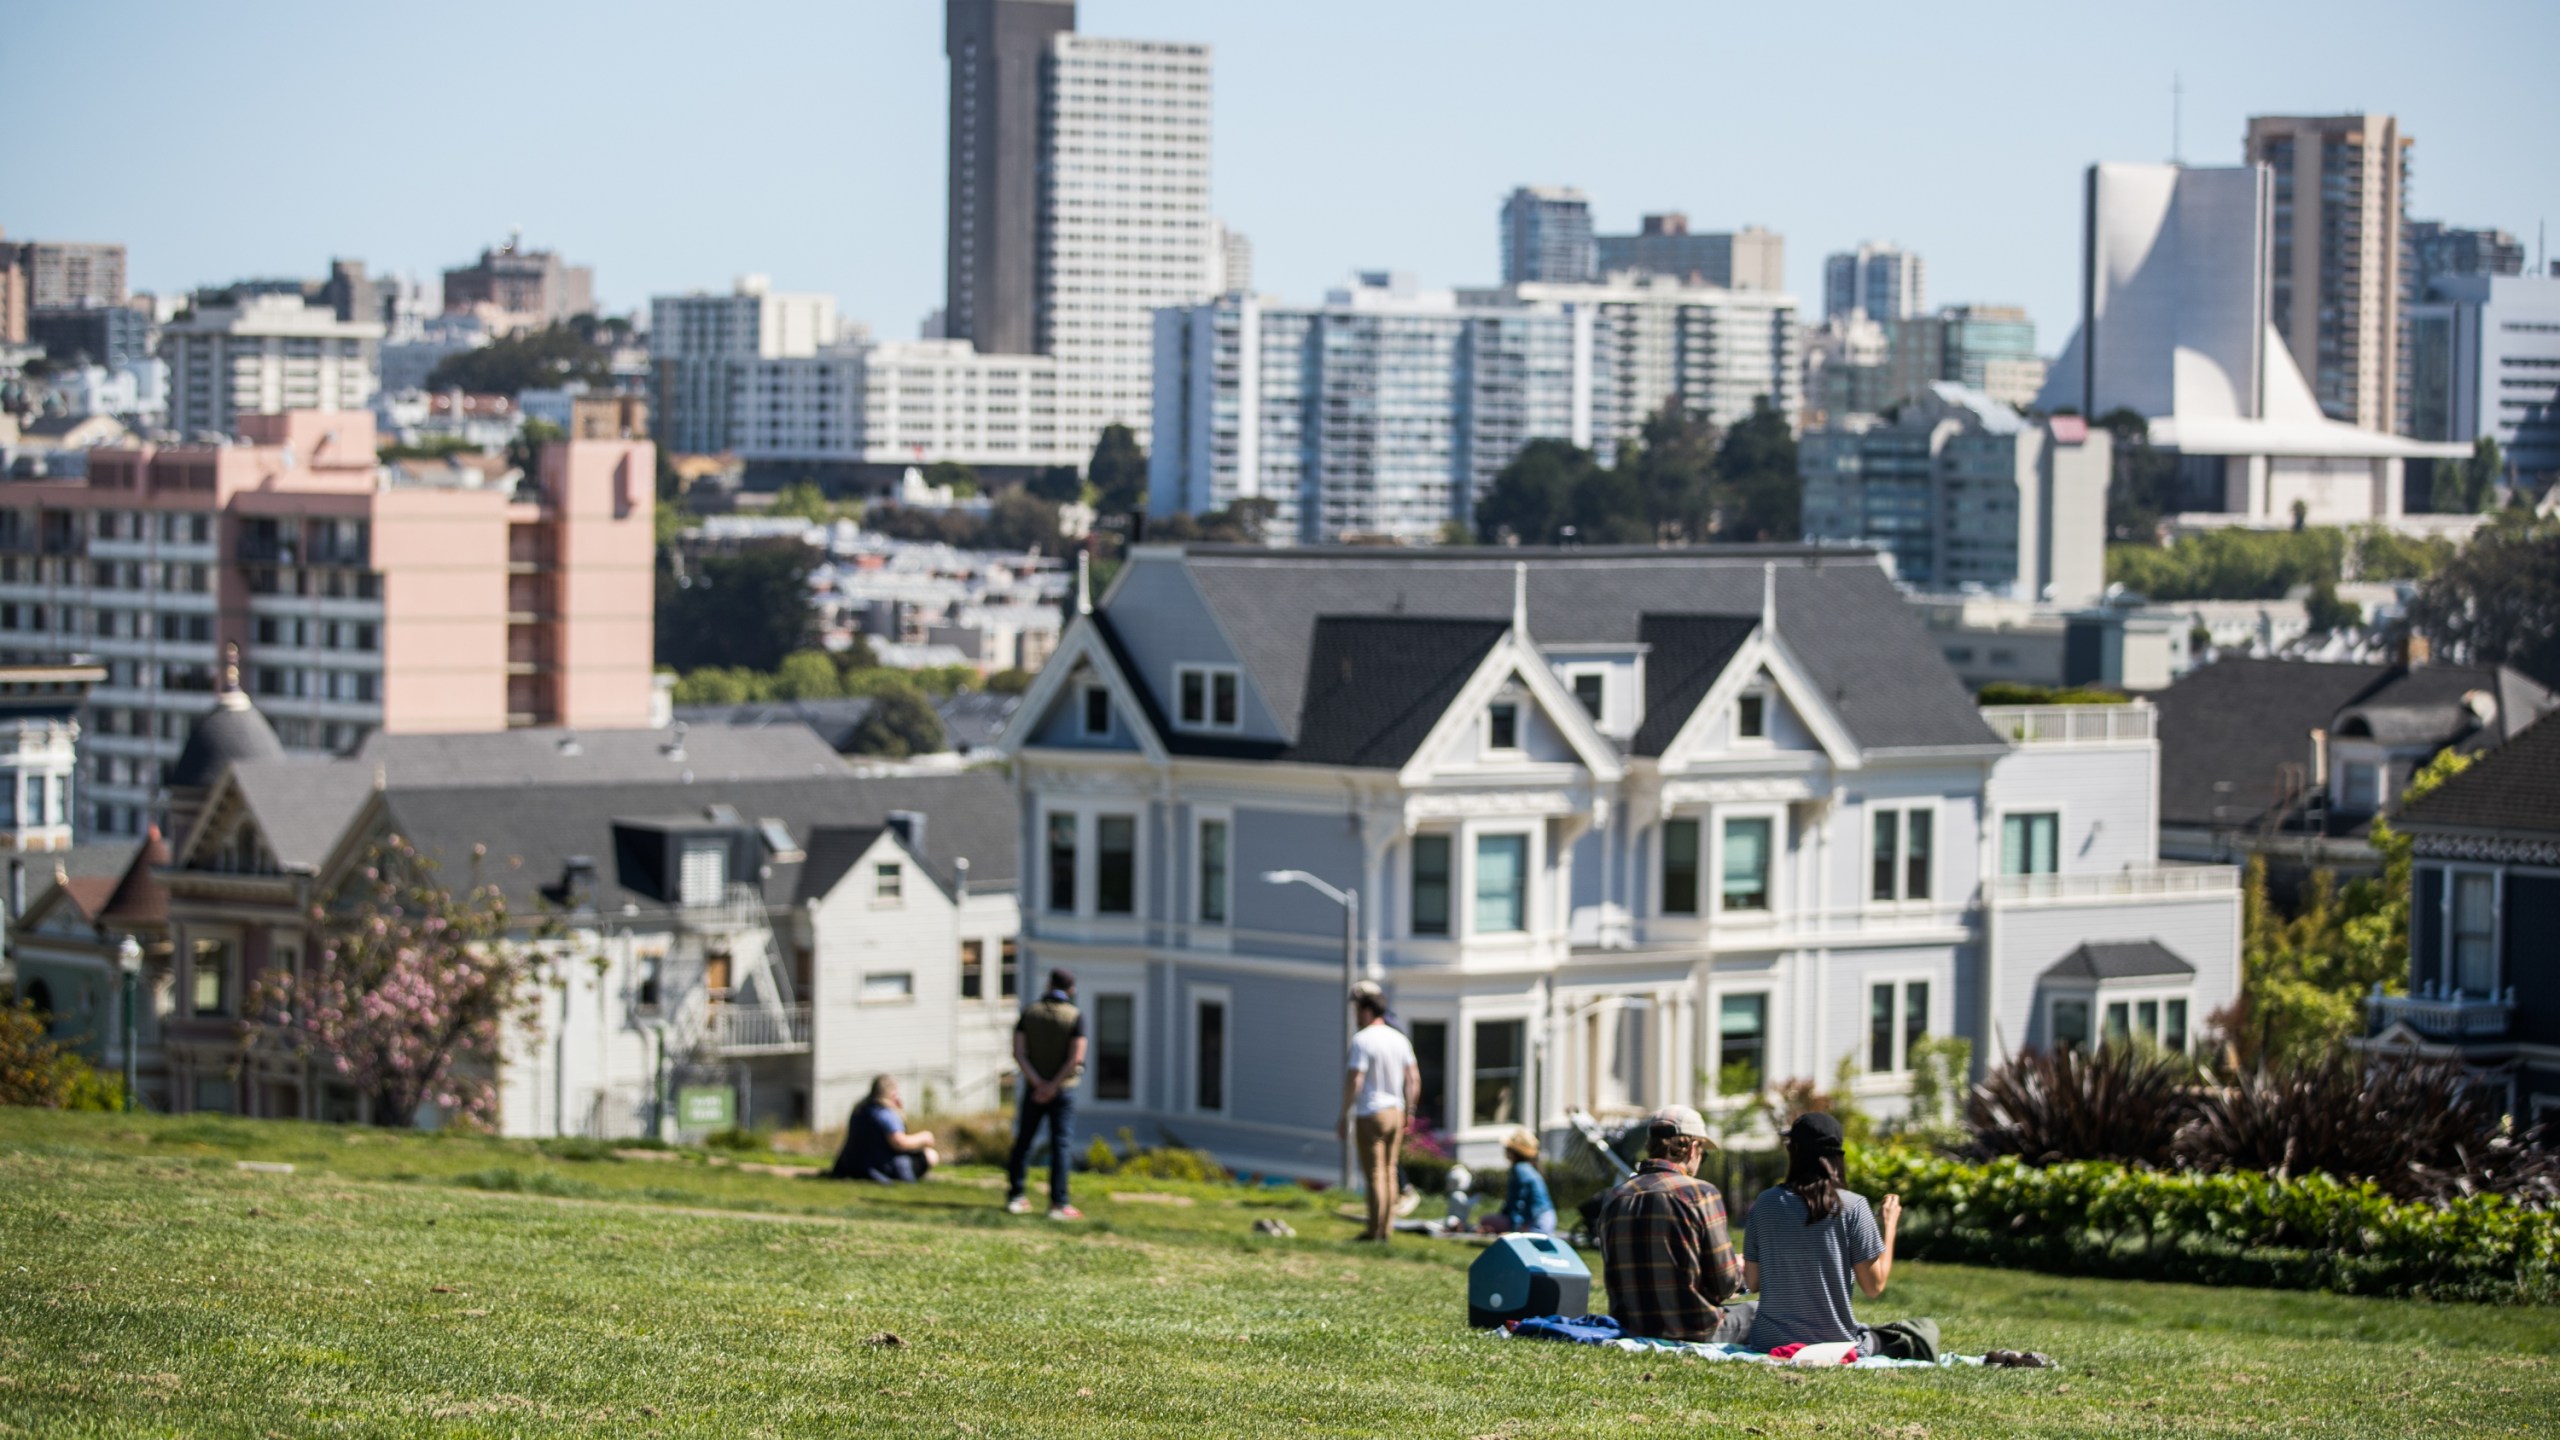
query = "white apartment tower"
{"x": 694, "y": 340}
{"x": 263, "y": 356}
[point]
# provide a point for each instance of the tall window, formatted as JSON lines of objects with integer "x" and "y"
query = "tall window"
{"x": 1431, "y": 1059}
{"x": 1502, "y": 883}
{"x": 1591, "y": 688}
{"x": 2030, "y": 844}
{"x": 1751, "y": 717}
{"x": 1742, "y": 1043}
{"x": 1680, "y": 867}
{"x": 1494, "y": 1088}
{"x": 702, "y": 876}
{"x": 1430, "y": 884}
{"x": 973, "y": 969}
{"x": 1897, "y": 1017}
{"x": 1209, "y": 1055}
{"x": 2475, "y": 928}
{"x": 1213, "y": 872}
{"x": 1008, "y": 970}
{"x": 2362, "y": 789}
{"x": 888, "y": 883}
{"x": 1205, "y": 697}
{"x": 1746, "y": 864}
{"x": 212, "y": 971}
{"x": 1502, "y": 726}
{"x": 1097, "y": 711}
{"x": 1062, "y": 864}
{"x": 1901, "y": 858}
{"x": 1115, "y": 1039}
{"x": 1115, "y": 865}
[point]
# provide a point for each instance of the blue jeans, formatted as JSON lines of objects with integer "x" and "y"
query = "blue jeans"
{"x": 1060, "y": 1112}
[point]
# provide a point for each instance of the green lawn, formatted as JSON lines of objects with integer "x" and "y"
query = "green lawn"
{"x": 407, "y": 1284}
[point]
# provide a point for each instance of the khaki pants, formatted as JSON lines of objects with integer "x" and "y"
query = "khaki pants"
{"x": 1381, "y": 1138}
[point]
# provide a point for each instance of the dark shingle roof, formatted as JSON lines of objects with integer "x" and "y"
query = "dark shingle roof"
{"x": 232, "y": 733}
{"x": 1375, "y": 685}
{"x": 1684, "y": 655}
{"x": 2118, "y": 960}
{"x": 833, "y": 850}
{"x": 975, "y": 719}
{"x": 2514, "y": 787}
{"x": 1836, "y": 611}
{"x": 834, "y": 720}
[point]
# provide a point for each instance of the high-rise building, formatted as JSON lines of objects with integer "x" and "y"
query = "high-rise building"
{"x": 2339, "y": 204}
{"x": 114, "y": 336}
{"x": 1964, "y": 491}
{"x": 1747, "y": 259}
{"x": 1387, "y": 411}
{"x": 2485, "y": 363}
{"x": 264, "y": 353}
{"x": 55, "y": 274}
{"x": 1986, "y": 348}
{"x": 1885, "y": 281}
{"x": 357, "y": 597}
{"x": 510, "y": 288}
{"x": 1546, "y": 237}
{"x": 1232, "y": 254}
{"x": 1124, "y": 217}
{"x": 870, "y": 409}
{"x": 999, "y": 51}
{"x": 2437, "y": 251}
{"x": 693, "y": 340}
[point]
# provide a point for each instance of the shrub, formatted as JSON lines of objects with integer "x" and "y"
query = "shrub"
{"x": 2119, "y": 1102}
{"x": 734, "y": 1138}
{"x": 36, "y": 1071}
{"x": 2304, "y": 1232}
{"x": 2418, "y": 1129}
{"x": 1163, "y": 1162}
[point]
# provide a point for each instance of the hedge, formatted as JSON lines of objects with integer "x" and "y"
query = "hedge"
{"x": 2312, "y": 1232}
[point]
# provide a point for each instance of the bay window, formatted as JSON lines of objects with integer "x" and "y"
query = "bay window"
{"x": 1502, "y": 883}
{"x": 1746, "y": 863}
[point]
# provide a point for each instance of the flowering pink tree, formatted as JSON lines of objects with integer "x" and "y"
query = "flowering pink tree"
{"x": 409, "y": 992}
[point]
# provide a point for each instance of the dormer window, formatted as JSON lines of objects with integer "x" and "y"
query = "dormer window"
{"x": 1502, "y": 725}
{"x": 1751, "y": 717}
{"x": 702, "y": 876}
{"x": 1206, "y": 697}
{"x": 1591, "y": 688}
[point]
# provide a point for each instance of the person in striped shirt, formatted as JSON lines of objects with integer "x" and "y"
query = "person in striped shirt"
{"x": 1666, "y": 1256}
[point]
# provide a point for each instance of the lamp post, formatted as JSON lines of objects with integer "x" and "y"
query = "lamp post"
{"x": 129, "y": 961}
{"x": 1349, "y": 900}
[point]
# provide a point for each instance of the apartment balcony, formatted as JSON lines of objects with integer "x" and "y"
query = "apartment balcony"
{"x": 757, "y": 1029}
{"x": 2452, "y": 1017}
{"x": 2149, "y": 882}
{"x": 2073, "y": 724}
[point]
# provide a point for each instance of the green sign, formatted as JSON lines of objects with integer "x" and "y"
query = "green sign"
{"x": 706, "y": 1107}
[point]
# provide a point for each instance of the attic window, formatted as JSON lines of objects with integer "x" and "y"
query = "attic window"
{"x": 1751, "y": 717}
{"x": 777, "y": 839}
{"x": 1097, "y": 711}
{"x": 1589, "y": 687}
{"x": 703, "y": 875}
{"x": 1502, "y": 725}
{"x": 1205, "y": 697}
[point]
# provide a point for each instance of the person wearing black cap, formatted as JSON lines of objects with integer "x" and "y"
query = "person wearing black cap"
{"x": 1048, "y": 1056}
{"x": 1808, "y": 1238}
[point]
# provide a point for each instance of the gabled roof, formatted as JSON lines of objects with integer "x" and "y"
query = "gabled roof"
{"x": 301, "y": 806}
{"x": 2514, "y": 787}
{"x": 833, "y": 850}
{"x": 1859, "y": 643}
{"x": 2118, "y": 960}
{"x": 833, "y": 720}
{"x": 1376, "y": 685}
{"x": 1684, "y": 656}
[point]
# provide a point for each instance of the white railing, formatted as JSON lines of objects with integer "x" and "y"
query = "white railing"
{"x": 2117, "y": 884}
{"x": 2071, "y": 724}
{"x": 757, "y": 1029}
{"x": 2458, "y": 1015}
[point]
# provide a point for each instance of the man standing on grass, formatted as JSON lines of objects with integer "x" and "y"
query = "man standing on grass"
{"x": 1048, "y": 1057}
{"x": 1664, "y": 1251}
{"x": 1381, "y": 1087}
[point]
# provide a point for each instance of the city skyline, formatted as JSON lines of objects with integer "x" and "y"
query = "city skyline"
{"x": 788, "y": 186}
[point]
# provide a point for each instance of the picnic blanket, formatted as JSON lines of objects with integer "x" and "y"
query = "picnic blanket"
{"x": 1603, "y": 1331}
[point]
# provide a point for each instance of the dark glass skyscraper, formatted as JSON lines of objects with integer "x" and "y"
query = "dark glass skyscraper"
{"x": 997, "y": 48}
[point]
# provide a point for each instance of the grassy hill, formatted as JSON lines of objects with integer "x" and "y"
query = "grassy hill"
{"x": 405, "y": 1284}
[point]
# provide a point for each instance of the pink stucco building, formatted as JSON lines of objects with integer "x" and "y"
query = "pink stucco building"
{"x": 361, "y": 597}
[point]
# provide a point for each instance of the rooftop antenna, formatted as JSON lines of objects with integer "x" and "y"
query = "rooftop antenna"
{"x": 2177, "y": 127}
{"x": 1769, "y": 599}
{"x": 1084, "y": 582}
{"x": 1520, "y": 598}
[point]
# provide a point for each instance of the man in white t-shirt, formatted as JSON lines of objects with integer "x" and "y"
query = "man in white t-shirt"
{"x": 1380, "y": 1089}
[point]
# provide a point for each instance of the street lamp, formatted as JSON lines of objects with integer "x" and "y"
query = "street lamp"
{"x": 129, "y": 961}
{"x": 1349, "y": 900}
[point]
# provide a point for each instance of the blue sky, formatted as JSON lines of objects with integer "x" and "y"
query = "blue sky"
{"x": 673, "y": 145}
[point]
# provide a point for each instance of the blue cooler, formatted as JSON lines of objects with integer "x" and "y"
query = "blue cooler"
{"x": 1520, "y": 1276}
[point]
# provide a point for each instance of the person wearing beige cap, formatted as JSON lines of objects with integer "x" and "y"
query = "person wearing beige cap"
{"x": 1666, "y": 1255}
{"x": 1526, "y": 1205}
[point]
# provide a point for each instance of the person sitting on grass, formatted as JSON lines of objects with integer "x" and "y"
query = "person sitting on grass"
{"x": 1665, "y": 1254}
{"x": 877, "y": 1144}
{"x": 1809, "y": 1238}
{"x": 1526, "y": 1205}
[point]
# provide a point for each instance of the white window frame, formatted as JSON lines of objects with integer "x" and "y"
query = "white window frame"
{"x": 1763, "y": 691}
{"x": 888, "y": 885}
{"x": 1713, "y": 1020}
{"x": 1203, "y": 817}
{"x": 1135, "y": 990}
{"x": 1776, "y": 815}
{"x": 1085, "y": 691}
{"x": 1662, "y": 859}
{"x": 1208, "y": 995}
{"x": 1209, "y": 674}
{"x": 1456, "y": 836}
{"x": 1901, "y": 981}
{"x": 1463, "y": 922}
{"x": 2132, "y": 994}
{"x": 2453, "y": 927}
{"x": 862, "y": 988}
{"x": 1464, "y": 1080}
{"x": 1905, "y": 809}
{"x": 2061, "y": 835}
{"x": 1088, "y": 815}
{"x": 2084, "y": 995}
{"x": 1574, "y": 675}
{"x": 1518, "y": 705}
{"x": 688, "y": 846}
{"x": 2381, "y": 769}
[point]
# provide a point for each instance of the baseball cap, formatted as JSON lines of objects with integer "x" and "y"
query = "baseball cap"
{"x": 1368, "y": 990}
{"x": 1061, "y": 978}
{"x": 1815, "y": 1130}
{"x": 1679, "y": 1120}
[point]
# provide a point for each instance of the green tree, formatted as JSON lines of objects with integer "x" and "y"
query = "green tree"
{"x": 525, "y": 451}
{"x": 722, "y": 685}
{"x": 541, "y": 359}
{"x": 1011, "y": 682}
{"x": 807, "y": 675}
{"x": 803, "y": 498}
{"x": 1118, "y": 473}
{"x": 1059, "y": 485}
{"x": 962, "y": 479}
{"x": 1608, "y": 507}
{"x": 902, "y": 723}
{"x": 2468, "y": 487}
{"x": 2327, "y": 612}
{"x": 1675, "y": 472}
{"x": 667, "y": 520}
{"x": 748, "y": 609}
{"x": 1531, "y": 499}
{"x": 2498, "y": 600}
{"x": 2233, "y": 564}
{"x": 1758, "y": 494}
{"x": 1018, "y": 520}
{"x": 2141, "y": 480}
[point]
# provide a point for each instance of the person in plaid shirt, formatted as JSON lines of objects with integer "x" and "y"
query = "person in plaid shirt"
{"x": 1665, "y": 1254}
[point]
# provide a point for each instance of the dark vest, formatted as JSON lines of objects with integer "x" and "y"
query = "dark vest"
{"x": 1049, "y": 1037}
